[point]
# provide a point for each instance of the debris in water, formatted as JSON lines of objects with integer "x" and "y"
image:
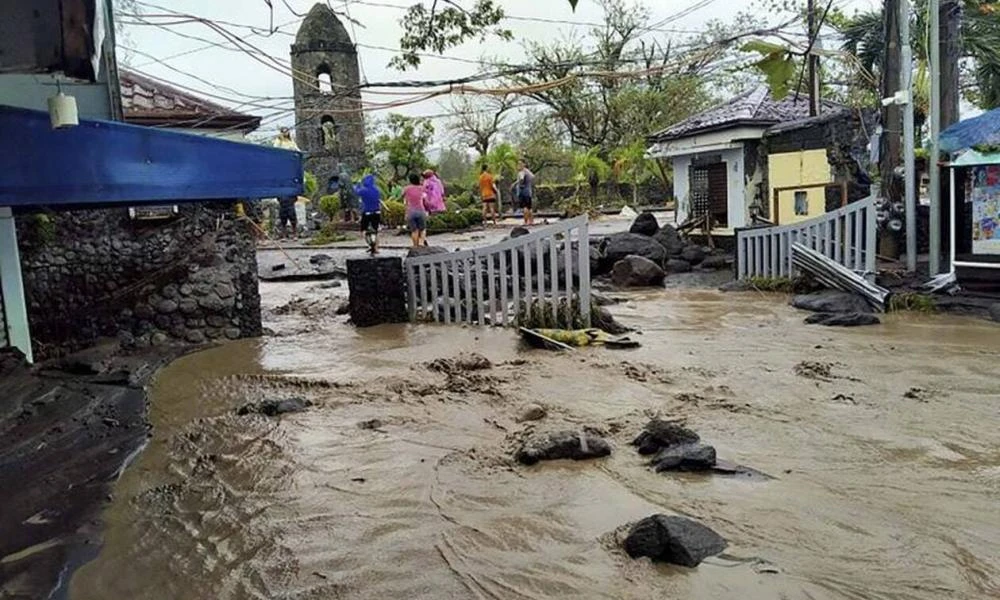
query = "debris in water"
{"x": 531, "y": 412}
{"x": 676, "y": 540}
{"x": 919, "y": 394}
{"x": 273, "y": 408}
{"x": 815, "y": 370}
{"x": 659, "y": 434}
{"x": 578, "y": 445}
{"x": 371, "y": 424}
{"x": 458, "y": 364}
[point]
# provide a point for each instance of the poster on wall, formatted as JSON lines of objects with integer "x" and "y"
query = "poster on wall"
{"x": 986, "y": 210}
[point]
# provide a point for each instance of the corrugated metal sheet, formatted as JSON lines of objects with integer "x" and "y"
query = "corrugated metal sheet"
{"x": 105, "y": 163}
{"x": 978, "y": 131}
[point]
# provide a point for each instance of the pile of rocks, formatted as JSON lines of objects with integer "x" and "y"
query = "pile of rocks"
{"x": 648, "y": 253}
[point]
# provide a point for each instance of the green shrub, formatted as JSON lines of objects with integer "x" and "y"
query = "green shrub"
{"x": 452, "y": 206}
{"x": 328, "y": 234}
{"x": 329, "y": 205}
{"x": 912, "y": 301}
{"x": 448, "y": 221}
{"x": 393, "y": 213}
{"x": 473, "y": 216}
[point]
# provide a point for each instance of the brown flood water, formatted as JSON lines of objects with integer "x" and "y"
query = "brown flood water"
{"x": 887, "y": 467}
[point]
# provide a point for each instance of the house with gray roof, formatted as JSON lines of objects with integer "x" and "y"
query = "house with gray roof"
{"x": 719, "y": 158}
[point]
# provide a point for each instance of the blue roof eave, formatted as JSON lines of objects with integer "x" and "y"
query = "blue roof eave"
{"x": 104, "y": 163}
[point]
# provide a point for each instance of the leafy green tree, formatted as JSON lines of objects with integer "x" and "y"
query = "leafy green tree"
{"x": 864, "y": 39}
{"x": 633, "y": 166}
{"x": 503, "y": 161}
{"x": 400, "y": 145}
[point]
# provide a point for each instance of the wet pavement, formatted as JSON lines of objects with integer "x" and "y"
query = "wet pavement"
{"x": 882, "y": 443}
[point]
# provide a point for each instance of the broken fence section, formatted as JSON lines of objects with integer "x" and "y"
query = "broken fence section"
{"x": 846, "y": 235}
{"x": 836, "y": 276}
{"x": 547, "y": 269}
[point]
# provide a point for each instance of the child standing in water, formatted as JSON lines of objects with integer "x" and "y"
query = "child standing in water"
{"x": 415, "y": 199}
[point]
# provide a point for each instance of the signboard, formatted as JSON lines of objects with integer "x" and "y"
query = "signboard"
{"x": 986, "y": 209}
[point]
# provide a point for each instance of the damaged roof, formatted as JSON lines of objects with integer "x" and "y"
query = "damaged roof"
{"x": 755, "y": 107}
{"x": 150, "y": 102}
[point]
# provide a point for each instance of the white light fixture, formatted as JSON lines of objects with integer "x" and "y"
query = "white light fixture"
{"x": 62, "y": 110}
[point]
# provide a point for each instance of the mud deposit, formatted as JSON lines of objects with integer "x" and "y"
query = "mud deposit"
{"x": 399, "y": 481}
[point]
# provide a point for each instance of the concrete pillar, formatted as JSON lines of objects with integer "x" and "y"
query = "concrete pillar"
{"x": 378, "y": 291}
{"x": 14, "y": 307}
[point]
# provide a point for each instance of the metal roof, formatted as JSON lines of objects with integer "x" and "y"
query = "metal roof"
{"x": 755, "y": 107}
{"x": 107, "y": 163}
{"x": 146, "y": 101}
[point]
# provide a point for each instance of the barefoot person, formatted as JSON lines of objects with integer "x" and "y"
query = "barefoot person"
{"x": 415, "y": 199}
{"x": 488, "y": 191}
{"x": 371, "y": 208}
{"x": 525, "y": 192}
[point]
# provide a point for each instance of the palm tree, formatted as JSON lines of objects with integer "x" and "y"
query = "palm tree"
{"x": 864, "y": 39}
{"x": 502, "y": 160}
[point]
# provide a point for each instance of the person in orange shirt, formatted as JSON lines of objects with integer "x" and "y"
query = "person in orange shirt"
{"x": 490, "y": 196}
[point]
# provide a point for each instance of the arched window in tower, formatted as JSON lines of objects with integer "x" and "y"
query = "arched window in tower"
{"x": 323, "y": 80}
{"x": 328, "y": 133}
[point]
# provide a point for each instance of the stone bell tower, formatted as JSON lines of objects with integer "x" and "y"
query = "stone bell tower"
{"x": 329, "y": 122}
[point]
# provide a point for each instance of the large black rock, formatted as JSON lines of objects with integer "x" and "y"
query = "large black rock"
{"x": 678, "y": 265}
{"x": 659, "y": 434}
{"x": 645, "y": 224}
{"x": 676, "y": 540}
{"x": 562, "y": 444}
{"x": 831, "y": 301}
{"x": 620, "y": 245}
{"x": 685, "y": 457}
{"x": 670, "y": 240}
{"x": 425, "y": 251}
{"x": 693, "y": 254}
{"x": 995, "y": 312}
{"x": 636, "y": 271}
{"x": 854, "y": 319}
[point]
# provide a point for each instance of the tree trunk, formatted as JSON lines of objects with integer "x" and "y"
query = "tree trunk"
{"x": 951, "y": 51}
{"x": 892, "y": 115}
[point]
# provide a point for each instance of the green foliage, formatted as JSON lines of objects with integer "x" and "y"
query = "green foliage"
{"x": 472, "y": 216}
{"x": 782, "y": 285}
{"x": 400, "y": 144}
{"x": 44, "y": 228}
{"x": 912, "y": 301}
{"x": 778, "y": 65}
{"x": 538, "y": 314}
{"x": 328, "y": 234}
{"x": 393, "y": 213}
{"x": 329, "y": 205}
{"x": 309, "y": 184}
{"x": 446, "y": 26}
{"x": 452, "y": 206}
{"x": 446, "y": 221}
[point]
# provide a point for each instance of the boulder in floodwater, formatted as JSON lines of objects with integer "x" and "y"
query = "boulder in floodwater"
{"x": 693, "y": 254}
{"x": 676, "y": 540}
{"x": 645, "y": 224}
{"x": 659, "y": 434}
{"x": 577, "y": 445}
{"x": 716, "y": 262}
{"x": 852, "y": 319}
{"x": 678, "y": 265}
{"x": 685, "y": 457}
{"x": 636, "y": 271}
{"x": 531, "y": 412}
{"x": 620, "y": 245}
{"x": 831, "y": 301}
{"x": 273, "y": 408}
{"x": 670, "y": 239}
{"x": 995, "y": 312}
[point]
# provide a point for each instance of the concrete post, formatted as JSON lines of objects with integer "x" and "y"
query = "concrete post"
{"x": 14, "y": 306}
{"x": 377, "y": 291}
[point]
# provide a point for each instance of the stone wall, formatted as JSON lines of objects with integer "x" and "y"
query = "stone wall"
{"x": 97, "y": 274}
{"x": 377, "y": 287}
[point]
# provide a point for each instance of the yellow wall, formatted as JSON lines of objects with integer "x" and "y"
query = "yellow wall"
{"x": 798, "y": 168}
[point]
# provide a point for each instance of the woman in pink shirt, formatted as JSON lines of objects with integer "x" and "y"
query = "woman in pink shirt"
{"x": 415, "y": 199}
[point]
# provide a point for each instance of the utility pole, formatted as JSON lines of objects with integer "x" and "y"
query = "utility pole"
{"x": 909, "y": 158}
{"x": 933, "y": 8}
{"x": 813, "y": 61}
{"x": 950, "y": 47}
{"x": 891, "y": 117}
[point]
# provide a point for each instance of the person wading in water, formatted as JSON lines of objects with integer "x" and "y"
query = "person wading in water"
{"x": 415, "y": 199}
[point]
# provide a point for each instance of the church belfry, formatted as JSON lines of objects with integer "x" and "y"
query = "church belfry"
{"x": 329, "y": 122}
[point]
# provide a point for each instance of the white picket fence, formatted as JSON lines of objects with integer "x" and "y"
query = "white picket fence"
{"x": 846, "y": 235}
{"x": 488, "y": 286}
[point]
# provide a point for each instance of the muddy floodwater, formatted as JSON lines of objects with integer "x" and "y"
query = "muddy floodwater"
{"x": 883, "y": 444}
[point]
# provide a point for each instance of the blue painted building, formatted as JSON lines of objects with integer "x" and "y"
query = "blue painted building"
{"x": 67, "y": 46}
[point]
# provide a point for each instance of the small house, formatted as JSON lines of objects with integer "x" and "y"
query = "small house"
{"x": 731, "y": 160}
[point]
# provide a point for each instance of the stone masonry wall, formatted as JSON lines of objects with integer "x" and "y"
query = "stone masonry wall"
{"x": 97, "y": 274}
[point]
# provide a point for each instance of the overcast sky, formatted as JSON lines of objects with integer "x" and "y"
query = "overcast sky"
{"x": 165, "y": 54}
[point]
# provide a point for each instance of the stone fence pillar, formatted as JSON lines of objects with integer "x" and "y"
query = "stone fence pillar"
{"x": 377, "y": 291}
